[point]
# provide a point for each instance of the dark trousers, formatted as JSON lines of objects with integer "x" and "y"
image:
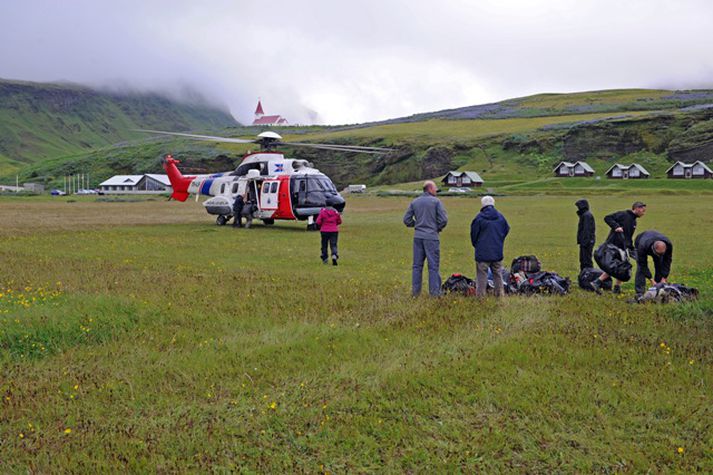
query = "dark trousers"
{"x": 426, "y": 249}
{"x": 331, "y": 239}
{"x": 585, "y": 256}
{"x": 238, "y": 215}
{"x": 642, "y": 273}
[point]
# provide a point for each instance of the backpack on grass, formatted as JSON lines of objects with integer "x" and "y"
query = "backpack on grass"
{"x": 460, "y": 284}
{"x": 525, "y": 264}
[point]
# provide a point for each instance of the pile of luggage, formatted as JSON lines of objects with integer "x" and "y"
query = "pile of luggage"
{"x": 525, "y": 277}
{"x": 669, "y": 293}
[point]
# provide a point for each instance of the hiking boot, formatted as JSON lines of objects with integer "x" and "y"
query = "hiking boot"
{"x": 334, "y": 260}
{"x": 616, "y": 290}
{"x": 324, "y": 261}
{"x": 596, "y": 285}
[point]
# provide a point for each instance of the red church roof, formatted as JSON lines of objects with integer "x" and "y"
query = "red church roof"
{"x": 259, "y": 108}
{"x": 270, "y": 120}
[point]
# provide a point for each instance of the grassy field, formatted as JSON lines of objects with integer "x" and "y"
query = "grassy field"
{"x": 138, "y": 336}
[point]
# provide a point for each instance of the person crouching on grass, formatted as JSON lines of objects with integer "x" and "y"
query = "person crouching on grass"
{"x": 328, "y": 222}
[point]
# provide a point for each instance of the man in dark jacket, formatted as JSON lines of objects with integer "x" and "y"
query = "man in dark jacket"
{"x": 623, "y": 225}
{"x": 487, "y": 234}
{"x": 659, "y": 247}
{"x": 428, "y": 216}
{"x": 585, "y": 234}
{"x": 238, "y": 205}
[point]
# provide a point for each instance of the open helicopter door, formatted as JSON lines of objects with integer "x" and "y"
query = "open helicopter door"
{"x": 268, "y": 197}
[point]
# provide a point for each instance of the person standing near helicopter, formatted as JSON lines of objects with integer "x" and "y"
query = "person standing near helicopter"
{"x": 238, "y": 206}
{"x": 328, "y": 222}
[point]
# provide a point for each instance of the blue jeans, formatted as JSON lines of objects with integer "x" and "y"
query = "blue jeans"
{"x": 426, "y": 249}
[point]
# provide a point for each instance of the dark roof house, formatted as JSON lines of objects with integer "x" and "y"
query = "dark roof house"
{"x": 460, "y": 179}
{"x": 568, "y": 169}
{"x": 627, "y": 172}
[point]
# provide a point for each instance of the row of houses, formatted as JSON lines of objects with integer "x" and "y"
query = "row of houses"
{"x": 634, "y": 171}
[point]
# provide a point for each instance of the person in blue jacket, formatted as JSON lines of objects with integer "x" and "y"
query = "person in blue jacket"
{"x": 487, "y": 234}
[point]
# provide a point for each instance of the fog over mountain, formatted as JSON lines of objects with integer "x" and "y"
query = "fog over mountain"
{"x": 336, "y": 62}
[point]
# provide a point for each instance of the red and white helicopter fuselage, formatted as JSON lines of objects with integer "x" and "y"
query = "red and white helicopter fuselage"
{"x": 276, "y": 188}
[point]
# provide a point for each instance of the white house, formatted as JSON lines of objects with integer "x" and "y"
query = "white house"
{"x": 696, "y": 169}
{"x": 136, "y": 184}
{"x": 568, "y": 169}
{"x": 624, "y": 172}
{"x": 461, "y": 179}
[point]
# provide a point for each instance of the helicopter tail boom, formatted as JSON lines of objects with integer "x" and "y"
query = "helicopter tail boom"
{"x": 179, "y": 183}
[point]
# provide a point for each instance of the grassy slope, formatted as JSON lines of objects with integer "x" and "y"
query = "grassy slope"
{"x": 164, "y": 343}
{"x": 634, "y": 112}
{"x": 40, "y": 121}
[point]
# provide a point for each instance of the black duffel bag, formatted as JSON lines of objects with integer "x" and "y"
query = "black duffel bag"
{"x": 614, "y": 261}
{"x": 589, "y": 275}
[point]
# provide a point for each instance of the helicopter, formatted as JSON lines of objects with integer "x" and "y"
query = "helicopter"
{"x": 279, "y": 188}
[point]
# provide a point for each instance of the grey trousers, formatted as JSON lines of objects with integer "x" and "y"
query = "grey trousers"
{"x": 481, "y": 278}
{"x": 431, "y": 250}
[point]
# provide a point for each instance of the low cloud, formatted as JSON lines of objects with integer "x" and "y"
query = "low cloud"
{"x": 332, "y": 62}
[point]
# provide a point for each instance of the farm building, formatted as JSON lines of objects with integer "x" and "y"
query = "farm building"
{"x": 627, "y": 172}
{"x": 138, "y": 184}
{"x": 567, "y": 169}
{"x": 696, "y": 169}
{"x": 461, "y": 179}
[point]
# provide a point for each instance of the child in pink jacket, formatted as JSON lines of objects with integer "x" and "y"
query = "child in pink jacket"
{"x": 328, "y": 222}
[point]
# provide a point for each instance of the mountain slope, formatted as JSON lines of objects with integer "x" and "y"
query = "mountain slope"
{"x": 40, "y": 121}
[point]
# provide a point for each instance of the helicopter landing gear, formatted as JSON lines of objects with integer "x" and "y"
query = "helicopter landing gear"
{"x": 311, "y": 225}
{"x": 268, "y": 222}
{"x": 221, "y": 220}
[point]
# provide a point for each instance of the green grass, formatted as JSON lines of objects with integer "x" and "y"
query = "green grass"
{"x": 175, "y": 345}
{"x": 440, "y": 131}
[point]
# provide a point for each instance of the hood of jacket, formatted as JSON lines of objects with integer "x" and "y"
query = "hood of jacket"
{"x": 489, "y": 212}
{"x": 582, "y": 206}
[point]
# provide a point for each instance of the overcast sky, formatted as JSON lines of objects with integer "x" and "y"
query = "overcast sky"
{"x": 345, "y": 62}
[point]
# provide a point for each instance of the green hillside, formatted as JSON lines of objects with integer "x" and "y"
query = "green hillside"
{"x": 513, "y": 144}
{"x": 42, "y": 121}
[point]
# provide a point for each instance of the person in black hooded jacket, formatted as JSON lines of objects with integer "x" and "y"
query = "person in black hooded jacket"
{"x": 586, "y": 231}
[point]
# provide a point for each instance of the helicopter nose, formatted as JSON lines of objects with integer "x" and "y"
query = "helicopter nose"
{"x": 336, "y": 202}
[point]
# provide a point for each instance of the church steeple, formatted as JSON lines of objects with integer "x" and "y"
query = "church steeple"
{"x": 258, "y": 111}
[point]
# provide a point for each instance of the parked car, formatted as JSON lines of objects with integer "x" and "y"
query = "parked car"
{"x": 56, "y": 192}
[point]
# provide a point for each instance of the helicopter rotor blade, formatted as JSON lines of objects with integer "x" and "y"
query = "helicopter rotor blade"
{"x": 207, "y": 138}
{"x": 343, "y": 148}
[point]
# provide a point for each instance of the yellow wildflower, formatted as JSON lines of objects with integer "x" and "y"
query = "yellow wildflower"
{"x": 67, "y": 430}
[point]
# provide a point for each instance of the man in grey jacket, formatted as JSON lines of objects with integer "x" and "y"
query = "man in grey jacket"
{"x": 428, "y": 216}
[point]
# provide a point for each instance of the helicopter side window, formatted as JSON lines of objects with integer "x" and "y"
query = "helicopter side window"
{"x": 273, "y": 188}
{"x": 235, "y": 188}
{"x": 222, "y": 189}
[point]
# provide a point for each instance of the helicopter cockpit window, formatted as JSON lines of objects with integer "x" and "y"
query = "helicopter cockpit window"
{"x": 263, "y": 168}
{"x": 273, "y": 188}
